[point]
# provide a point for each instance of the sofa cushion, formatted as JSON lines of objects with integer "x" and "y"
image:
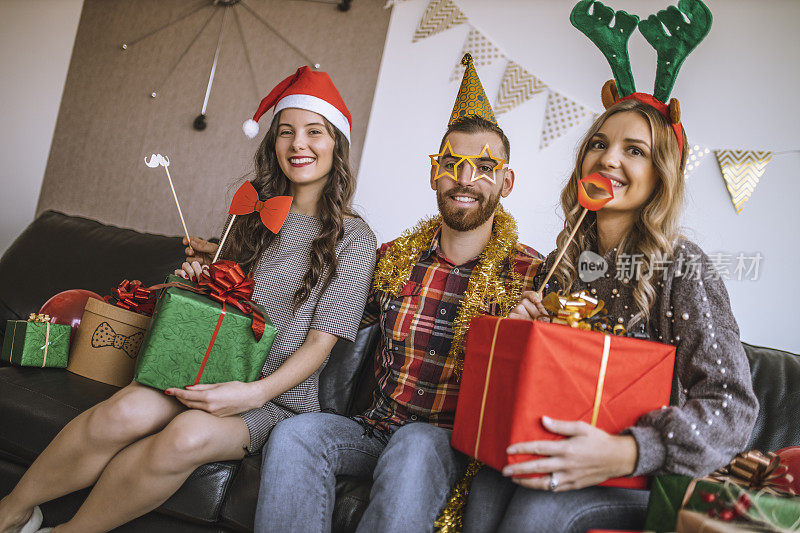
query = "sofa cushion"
{"x": 57, "y": 252}
{"x": 776, "y": 381}
{"x": 340, "y": 380}
{"x": 36, "y": 403}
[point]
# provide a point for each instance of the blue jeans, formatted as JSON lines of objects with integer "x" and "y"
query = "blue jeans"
{"x": 412, "y": 474}
{"x": 497, "y": 504}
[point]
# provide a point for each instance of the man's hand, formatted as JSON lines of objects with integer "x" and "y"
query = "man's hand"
{"x": 587, "y": 457}
{"x": 530, "y": 307}
{"x": 219, "y": 399}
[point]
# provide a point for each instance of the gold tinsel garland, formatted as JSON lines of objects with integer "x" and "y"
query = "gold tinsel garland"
{"x": 451, "y": 517}
{"x": 485, "y": 283}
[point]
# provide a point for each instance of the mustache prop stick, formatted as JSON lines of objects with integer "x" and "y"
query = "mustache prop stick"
{"x": 162, "y": 160}
{"x": 594, "y": 191}
{"x": 273, "y": 211}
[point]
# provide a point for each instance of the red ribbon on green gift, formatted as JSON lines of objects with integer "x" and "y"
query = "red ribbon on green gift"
{"x": 226, "y": 282}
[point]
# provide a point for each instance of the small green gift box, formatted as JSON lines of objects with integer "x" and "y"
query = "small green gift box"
{"x": 191, "y": 340}
{"x": 722, "y": 500}
{"x": 42, "y": 344}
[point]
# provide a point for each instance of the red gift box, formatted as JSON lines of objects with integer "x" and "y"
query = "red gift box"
{"x": 516, "y": 371}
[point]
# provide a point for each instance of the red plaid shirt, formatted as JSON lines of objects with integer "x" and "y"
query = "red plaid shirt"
{"x": 415, "y": 376}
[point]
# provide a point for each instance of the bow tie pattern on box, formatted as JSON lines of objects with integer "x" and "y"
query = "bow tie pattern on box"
{"x": 104, "y": 335}
{"x": 107, "y": 343}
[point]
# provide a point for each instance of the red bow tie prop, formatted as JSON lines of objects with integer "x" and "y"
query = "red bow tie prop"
{"x": 273, "y": 211}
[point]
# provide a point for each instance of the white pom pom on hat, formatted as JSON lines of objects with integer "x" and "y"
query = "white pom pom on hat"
{"x": 250, "y": 128}
{"x": 305, "y": 89}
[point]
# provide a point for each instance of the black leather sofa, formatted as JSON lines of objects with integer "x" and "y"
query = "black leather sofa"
{"x": 58, "y": 252}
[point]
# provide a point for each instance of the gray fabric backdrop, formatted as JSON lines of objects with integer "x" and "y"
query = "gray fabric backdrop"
{"x": 108, "y": 122}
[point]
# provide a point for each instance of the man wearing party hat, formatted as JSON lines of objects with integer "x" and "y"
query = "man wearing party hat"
{"x": 428, "y": 284}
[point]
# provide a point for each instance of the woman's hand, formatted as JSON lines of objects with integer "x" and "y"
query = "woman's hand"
{"x": 200, "y": 250}
{"x": 530, "y": 307}
{"x": 199, "y": 254}
{"x": 219, "y": 399}
{"x": 587, "y": 457}
{"x": 191, "y": 270}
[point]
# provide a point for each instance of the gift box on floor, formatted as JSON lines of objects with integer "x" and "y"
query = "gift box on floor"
{"x": 107, "y": 343}
{"x": 516, "y": 371}
{"x": 36, "y": 343}
{"x": 694, "y": 522}
{"x": 752, "y": 493}
{"x": 193, "y": 339}
{"x": 666, "y": 497}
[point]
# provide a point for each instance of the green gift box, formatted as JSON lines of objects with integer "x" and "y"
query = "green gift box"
{"x": 39, "y": 344}
{"x": 669, "y": 495}
{"x": 173, "y": 352}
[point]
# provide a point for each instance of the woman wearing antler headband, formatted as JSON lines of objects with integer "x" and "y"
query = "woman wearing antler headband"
{"x": 312, "y": 273}
{"x": 658, "y": 285}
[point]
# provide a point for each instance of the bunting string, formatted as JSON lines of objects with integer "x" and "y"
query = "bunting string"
{"x": 518, "y": 86}
{"x": 441, "y": 15}
{"x": 741, "y": 169}
{"x": 483, "y": 51}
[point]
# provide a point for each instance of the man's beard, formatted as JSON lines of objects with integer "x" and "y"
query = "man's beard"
{"x": 466, "y": 219}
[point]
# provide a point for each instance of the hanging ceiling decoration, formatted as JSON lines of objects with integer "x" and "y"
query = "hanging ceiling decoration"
{"x": 223, "y": 7}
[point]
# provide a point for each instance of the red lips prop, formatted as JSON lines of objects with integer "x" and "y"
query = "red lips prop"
{"x": 595, "y": 191}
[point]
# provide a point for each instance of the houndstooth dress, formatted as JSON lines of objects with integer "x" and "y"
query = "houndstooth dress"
{"x": 336, "y": 310}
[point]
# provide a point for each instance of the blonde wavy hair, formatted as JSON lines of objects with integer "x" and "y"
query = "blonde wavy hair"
{"x": 656, "y": 229}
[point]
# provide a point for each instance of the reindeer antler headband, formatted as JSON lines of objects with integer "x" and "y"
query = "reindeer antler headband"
{"x": 686, "y": 26}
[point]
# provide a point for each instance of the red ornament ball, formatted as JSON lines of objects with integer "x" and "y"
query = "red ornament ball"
{"x": 67, "y": 308}
{"x": 791, "y": 458}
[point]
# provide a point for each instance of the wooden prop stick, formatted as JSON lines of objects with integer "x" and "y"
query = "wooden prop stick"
{"x": 162, "y": 160}
{"x": 562, "y": 252}
{"x": 225, "y": 236}
{"x": 594, "y": 191}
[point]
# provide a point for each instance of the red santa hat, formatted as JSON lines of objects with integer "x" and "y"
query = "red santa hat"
{"x": 305, "y": 89}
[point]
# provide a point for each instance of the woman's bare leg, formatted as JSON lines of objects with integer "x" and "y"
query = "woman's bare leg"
{"x": 145, "y": 474}
{"x": 79, "y": 453}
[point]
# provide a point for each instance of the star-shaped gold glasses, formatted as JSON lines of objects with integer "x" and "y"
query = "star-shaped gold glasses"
{"x": 484, "y": 165}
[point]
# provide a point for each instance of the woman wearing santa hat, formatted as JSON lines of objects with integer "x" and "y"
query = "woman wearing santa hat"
{"x": 139, "y": 446}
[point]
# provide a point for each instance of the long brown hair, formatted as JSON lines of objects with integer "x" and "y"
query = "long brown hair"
{"x": 249, "y": 237}
{"x": 655, "y": 230}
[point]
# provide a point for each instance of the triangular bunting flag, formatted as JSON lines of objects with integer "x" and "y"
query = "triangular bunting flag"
{"x": 482, "y": 50}
{"x": 694, "y": 158}
{"x": 560, "y": 116}
{"x": 518, "y": 86}
{"x": 441, "y": 15}
{"x": 741, "y": 170}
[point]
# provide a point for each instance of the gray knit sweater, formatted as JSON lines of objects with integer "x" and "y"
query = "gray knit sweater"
{"x": 712, "y": 409}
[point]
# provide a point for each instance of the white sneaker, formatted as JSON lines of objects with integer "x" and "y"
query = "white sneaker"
{"x": 34, "y": 522}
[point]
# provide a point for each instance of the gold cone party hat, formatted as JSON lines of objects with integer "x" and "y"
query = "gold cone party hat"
{"x": 471, "y": 99}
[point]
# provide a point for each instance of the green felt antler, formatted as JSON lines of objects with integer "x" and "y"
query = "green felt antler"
{"x": 612, "y": 41}
{"x": 675, "y": 46}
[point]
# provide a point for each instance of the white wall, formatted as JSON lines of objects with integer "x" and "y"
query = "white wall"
{"x": 737, "y": 90}
{"x": 36, "y": 39}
